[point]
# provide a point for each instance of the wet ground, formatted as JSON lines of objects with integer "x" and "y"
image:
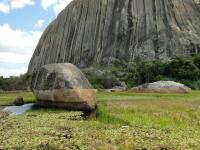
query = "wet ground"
{"x": 17, "y": 110}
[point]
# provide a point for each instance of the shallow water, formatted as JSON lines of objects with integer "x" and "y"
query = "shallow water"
{"x": 18, "y": 110}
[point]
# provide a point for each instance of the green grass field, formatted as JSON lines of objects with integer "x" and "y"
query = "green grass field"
{"x": 125, "y": 121}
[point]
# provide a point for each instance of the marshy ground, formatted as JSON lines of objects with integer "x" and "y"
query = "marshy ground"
{"x": 124, "y": 121}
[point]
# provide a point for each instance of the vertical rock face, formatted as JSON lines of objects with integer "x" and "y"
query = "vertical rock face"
{"x": 107, "y": 31}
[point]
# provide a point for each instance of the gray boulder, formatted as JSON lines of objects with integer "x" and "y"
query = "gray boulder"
{"x": 162, "y": 87}
{"x": 119, "y": 31}
{"x": 120, "y": 86}
{"x": 63, "y": 85}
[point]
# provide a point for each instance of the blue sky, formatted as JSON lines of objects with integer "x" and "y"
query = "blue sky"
{"x": 21, "y": 25}
{"x": 26, "y": 17}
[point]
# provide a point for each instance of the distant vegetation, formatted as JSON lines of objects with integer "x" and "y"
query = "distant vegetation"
{"x": 184, "y": 70}
{"x": 15, "y": 83}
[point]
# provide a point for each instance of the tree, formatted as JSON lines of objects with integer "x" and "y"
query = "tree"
{"x": 1, "y": 81}
{"x": 197, "y": 61}
{"x": 148, "y": 71}
{"x": 182, "y": 69}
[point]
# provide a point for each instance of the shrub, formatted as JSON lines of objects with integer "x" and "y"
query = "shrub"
{"x": 182, "y": 69}
{"x": 192, "y": 84}
{"x": 149, "y": 71}
{"x": 1, "y": 81}
{"x": 105, "y": 76}
{"x": 196, "y": 60}
{"x": 101, "y": 76}
{"x": 128, "y": 74}
{"x": 15, "y": 83}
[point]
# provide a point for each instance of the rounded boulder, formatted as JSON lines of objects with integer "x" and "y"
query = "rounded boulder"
{"x": 63, "y": 85}
{"x": 162, "y": 87}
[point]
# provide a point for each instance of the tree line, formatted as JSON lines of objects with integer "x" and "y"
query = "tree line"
{"x": 183, "y": 70}
{"x": 14, "y": 83}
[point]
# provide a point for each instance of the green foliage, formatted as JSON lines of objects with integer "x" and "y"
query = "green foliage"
{"x": 182, "y": 69}
{"x": 197, "y": 60}
{"x": 1, "y": 81}
{"x": 100, "y": 76}
{"x": 192, "y": 84}
{"x": 129, "y": 75}
{"x": 149, "y": 71}
{"x": 106, "y": 76}
{"x": 15, "y": 83}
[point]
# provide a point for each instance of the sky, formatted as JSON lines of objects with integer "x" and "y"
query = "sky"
{"x": 22, "y": 23}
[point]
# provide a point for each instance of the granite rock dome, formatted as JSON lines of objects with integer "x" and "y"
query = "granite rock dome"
{"x": 108, "y": 31}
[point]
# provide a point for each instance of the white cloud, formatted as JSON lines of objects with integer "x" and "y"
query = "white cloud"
{"x": 39, "y": 23}
{"x": 21, "y": 3}
{"x": 57, "y": 5}
{"x": 4, "y": 8}
{"x": 47, "y": 3}
{"x": 12, "y": 71}
{"x": 14, "y": 58}
{"x": 16, "y": 46}
{"x": 17, "y": 40}
{"x": 60, "y": 5}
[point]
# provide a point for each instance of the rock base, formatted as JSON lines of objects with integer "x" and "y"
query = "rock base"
{"x": 71, "y": 99}
{"x": 161, "y": 90}
{"x": 69, "y": 105}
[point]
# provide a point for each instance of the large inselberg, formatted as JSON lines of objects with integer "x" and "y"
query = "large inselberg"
{"x": 119, "y": 31}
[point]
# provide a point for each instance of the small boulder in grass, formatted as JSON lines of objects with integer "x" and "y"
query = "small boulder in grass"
{"x": 19, "y": 101}
{"x": 162, "y": 87}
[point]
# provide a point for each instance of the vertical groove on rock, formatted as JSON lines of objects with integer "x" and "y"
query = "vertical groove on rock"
{"x": 155, "y": 38}
{"x": 83, "y": 35}
{"x": 101, "y": 30}
{"x": 130, "y": 29}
